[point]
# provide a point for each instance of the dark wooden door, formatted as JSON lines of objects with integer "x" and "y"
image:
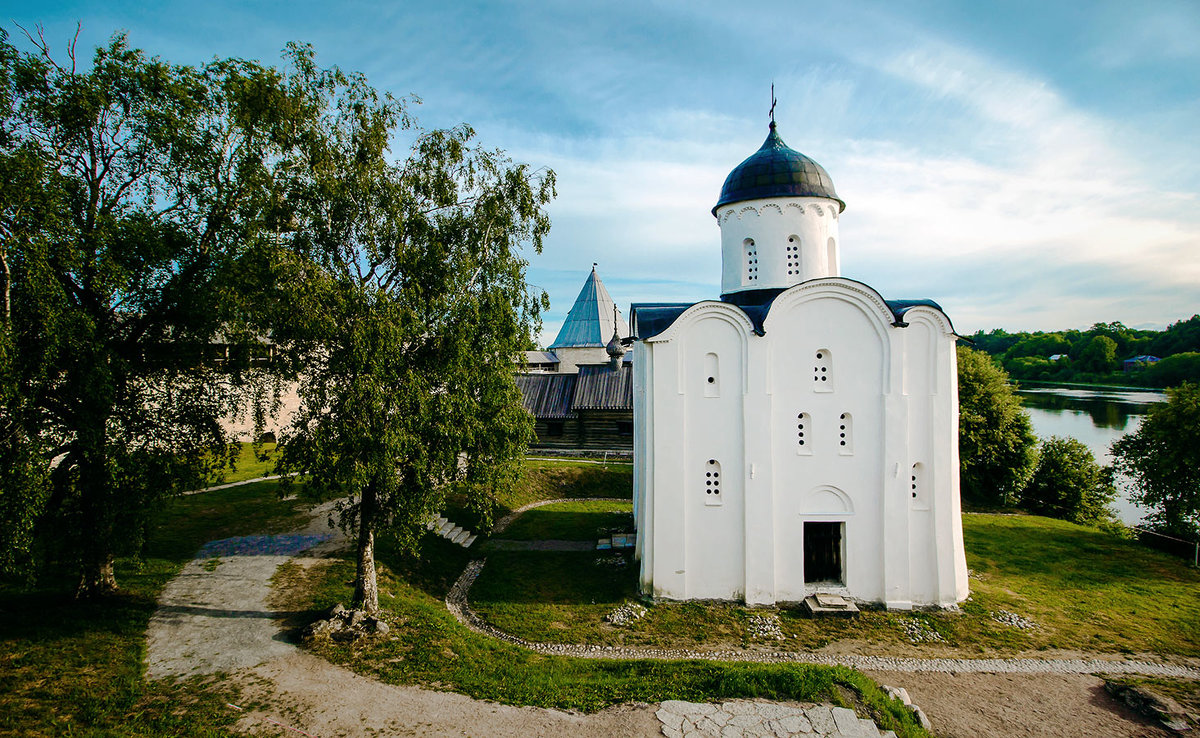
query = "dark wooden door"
{"x": 823, "y": 552}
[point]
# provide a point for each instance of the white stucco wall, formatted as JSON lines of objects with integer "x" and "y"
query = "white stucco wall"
{"x": 570, "y": 357}
{"x": 832, "y": 355}
{"x": 791, "y": 242}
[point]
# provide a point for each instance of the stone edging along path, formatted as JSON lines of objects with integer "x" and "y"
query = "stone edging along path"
{"x": 456, "y": 603}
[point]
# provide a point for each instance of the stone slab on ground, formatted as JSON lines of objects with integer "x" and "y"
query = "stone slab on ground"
{"x": 738, "y": 718}
{"x": 830, "y": 606}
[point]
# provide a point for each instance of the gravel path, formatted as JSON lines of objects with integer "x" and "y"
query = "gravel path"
{"x": 213, "y": 618}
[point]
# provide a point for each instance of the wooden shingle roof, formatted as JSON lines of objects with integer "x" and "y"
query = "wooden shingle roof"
{"x": 601, "y": 387}
{"x": 548, "y": 396}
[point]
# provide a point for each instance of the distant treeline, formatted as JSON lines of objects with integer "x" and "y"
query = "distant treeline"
{"x": 1098, "y": 355}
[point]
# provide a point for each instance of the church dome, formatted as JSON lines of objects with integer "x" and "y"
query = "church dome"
{"x": 614, "y": 349}
{"x": 777, "y": 171}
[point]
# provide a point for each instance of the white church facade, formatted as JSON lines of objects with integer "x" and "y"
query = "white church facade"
{"x": 799, "y": 434}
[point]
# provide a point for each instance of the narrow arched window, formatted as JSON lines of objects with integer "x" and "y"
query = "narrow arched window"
{"x": 712, "y": 482}
{"x": 804, "y": 434}
{"x": 823, "y": 371}
{"x": 712, "y": 375}
{"x": 793, "y": 256}
{"x": 831, "y": 257}
{"x": 751, "y": 251}
{"x": 919, "y": 487}
{"x": 845, "y": 434}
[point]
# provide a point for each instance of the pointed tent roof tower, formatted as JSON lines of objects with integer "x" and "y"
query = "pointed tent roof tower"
{"x": 593, "y": 318}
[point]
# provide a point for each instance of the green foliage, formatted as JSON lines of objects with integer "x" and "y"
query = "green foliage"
{"x": 996, "y": 444}
{"x": 403, "y": 297}
{"x": 1173, "y": 371}
{"x": 1162, "y": 458}
{"x": 134, "y": 191}
{"x": 1180, "y": 337}
{"x": 1026, "y": 356}
{"x": 1098, "y": 355}
{"x": 1067, "y": 483}
{"x": 1040, "y": 345}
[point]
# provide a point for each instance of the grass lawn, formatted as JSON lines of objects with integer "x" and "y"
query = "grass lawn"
{"x": 552, "y": 480}
{"x": 1085, "y": 590}
{"x": 250, "y": 464}
{"x": 76, "y": 668}
{"x": 428, "y": 647}
{"x": 585, "y": 520}
{"x": 548, "y": 479}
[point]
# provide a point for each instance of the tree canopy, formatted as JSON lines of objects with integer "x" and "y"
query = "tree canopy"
{"x": 134, "y": 190}
{"x": 1097, "y": 354}
{"x": 1162, "y": 458}
{"x": 997, "y": 448}
{"x": 1067, "y": 483}
{"x": 409, "y": 305}
{"x": 154, "y": 211}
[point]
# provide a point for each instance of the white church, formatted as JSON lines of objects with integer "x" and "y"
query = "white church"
{"x": 799, "y": 435}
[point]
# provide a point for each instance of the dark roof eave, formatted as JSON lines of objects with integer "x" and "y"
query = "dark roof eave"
{"x": 756, "y": 305}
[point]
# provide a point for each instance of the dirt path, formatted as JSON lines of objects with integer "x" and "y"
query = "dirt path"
{"x": 214, "y": 618}
{"x": 1019, "y": 705}
{"x": 309, "y": 693}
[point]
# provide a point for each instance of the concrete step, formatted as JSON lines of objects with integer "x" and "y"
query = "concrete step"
{"x": 451, "y": 532}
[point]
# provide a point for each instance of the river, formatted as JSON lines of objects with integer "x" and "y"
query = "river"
{"x": 1095, "y": 416}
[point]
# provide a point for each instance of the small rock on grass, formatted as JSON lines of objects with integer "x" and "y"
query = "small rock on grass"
{"x": 922, "y": 718}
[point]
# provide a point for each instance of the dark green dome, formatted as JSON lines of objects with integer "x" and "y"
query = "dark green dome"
{"x": 774, "y": 171}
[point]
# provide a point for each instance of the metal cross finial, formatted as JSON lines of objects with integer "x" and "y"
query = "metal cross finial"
{"x": 773, "y": 101}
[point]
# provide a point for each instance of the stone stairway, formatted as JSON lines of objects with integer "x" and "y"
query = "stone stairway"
{"x": 452, "y": 532}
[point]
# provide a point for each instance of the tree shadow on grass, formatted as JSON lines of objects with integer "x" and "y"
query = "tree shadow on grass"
{"x": 563, "y": 578}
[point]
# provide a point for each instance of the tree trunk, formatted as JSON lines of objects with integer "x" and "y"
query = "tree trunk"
{"x": 366, "y": 587}
{"x": 97, "y": 579}
{"x": 96, "y": 530}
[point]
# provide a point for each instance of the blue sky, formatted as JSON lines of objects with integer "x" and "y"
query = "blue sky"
{"x": 1028, "y": 165}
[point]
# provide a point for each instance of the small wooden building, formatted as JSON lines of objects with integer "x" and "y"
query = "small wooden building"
{"x": 592, "y": 409}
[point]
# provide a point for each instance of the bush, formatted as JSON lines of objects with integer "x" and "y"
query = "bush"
{"x": 1174, "y": 370}
{"x": 1067, "y": 483}
{"x": 1162, "y": 457}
